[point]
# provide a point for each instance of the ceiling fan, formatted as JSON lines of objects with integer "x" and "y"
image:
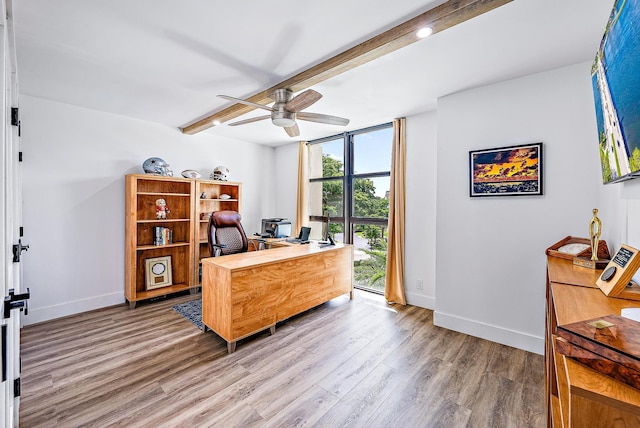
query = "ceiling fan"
{"x": 287, "y": 109}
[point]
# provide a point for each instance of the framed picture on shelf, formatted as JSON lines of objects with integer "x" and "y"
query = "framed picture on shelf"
{"x": 506, "y": 171}
{"x": 158, "y": 272}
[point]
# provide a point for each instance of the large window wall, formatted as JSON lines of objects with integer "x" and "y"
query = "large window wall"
{"x": 349, "y": 185}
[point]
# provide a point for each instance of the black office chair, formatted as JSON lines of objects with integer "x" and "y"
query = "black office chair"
{"x": 226, "y": 234}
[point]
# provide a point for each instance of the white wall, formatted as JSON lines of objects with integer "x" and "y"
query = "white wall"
{"x": 420, "y": 214}
{"x": 490, "y": 251}
{"x": 75, "y": 160}
{"x": 286, "y": 170}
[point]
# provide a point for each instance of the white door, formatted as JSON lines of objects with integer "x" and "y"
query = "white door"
{"x": 13, "y": 296}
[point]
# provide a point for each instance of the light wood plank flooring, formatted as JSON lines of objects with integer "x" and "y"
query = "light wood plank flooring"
{"x": 357, "y": 363}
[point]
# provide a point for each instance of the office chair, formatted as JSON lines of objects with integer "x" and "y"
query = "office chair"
{"x": 226, "y": 234}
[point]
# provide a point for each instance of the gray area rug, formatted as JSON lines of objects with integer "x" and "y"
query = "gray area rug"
{"x": 192, "y": 311}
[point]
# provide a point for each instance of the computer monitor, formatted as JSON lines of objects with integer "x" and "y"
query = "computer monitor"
{"x": 303, "y": 236}
{"x": 304, "y": 233}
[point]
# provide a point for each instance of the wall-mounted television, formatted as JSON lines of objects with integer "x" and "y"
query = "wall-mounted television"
{"x": 616, "y": 90}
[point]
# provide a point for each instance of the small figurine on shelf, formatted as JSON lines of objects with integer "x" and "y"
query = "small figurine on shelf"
{"x": 595, "y": 228}
{"x": 203, "y": 195}
{"x": 161, "y": 209}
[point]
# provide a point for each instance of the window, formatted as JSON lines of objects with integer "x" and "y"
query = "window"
{"x": 349, "y": 182}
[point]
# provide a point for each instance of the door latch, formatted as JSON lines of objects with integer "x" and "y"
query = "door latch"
{"x": 16, "y": 301}
{"x": 18, "y": 249}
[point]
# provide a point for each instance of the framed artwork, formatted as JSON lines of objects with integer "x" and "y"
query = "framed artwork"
{"x": 158, "y": 272}
{"x": 506, "y": 171}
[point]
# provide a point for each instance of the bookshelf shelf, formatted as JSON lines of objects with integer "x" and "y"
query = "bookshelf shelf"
{"x": 185, "y": 195}
{"x": 155, "y": 247}
{"x": 171, "y": 220}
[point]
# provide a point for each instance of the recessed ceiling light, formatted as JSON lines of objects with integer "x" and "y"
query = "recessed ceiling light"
{"x": 424, "y": 32}
{"x": 216, "y": 122}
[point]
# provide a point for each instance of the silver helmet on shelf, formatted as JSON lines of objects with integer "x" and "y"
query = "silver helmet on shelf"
{"x": 220, "y": 173}
{"x": 156, "y": 166}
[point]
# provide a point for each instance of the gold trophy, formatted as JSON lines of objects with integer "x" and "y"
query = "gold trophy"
{"x": 593, "y": 262}
{"x": 595, "y": 227}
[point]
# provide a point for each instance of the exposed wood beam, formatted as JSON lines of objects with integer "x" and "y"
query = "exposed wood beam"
{"x": 439, "y": 18}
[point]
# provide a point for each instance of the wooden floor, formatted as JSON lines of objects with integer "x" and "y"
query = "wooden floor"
{"x": 345, "y": 363}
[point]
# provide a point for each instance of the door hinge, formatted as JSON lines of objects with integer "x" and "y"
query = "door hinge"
{"x": 16, "y": 388}
{"x": 19, "y": 156}
{"x": 16, "y": 301}
{"x": 4, "y": 352}
{"x": 18, "y": 249}
{"x": 15, "y": 119}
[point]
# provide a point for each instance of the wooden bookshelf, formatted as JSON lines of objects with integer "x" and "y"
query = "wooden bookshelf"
{"x": 212, "y": 191}
{"x": 142, "y": 191}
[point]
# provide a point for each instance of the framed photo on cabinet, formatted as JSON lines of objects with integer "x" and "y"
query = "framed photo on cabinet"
{"x": 158, "y": 272}
{"x": 506, "y": 171}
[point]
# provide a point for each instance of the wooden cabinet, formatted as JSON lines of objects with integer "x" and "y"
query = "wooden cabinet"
{"x": 578, "y": 396}
{"x": 183, "y": 220}
{"x": 212, "y": 196}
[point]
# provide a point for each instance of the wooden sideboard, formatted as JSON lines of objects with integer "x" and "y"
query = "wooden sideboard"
{"x": 578, "y": 396}
{"x": 245, "y": 293}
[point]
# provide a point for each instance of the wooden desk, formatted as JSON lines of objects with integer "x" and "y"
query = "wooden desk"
{"x": 245, "y": 293}
{"x": 578, "y": 396}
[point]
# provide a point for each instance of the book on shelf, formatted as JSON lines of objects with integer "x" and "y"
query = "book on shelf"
{"x": 162, "y": 235}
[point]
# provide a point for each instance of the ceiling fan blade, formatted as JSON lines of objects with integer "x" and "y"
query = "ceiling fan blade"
{"x": 253, "y": 119}
{"x": 302, "y": 100}
{"x": 249, "y": 103}
{"x": 293, "y": 131}
{"x": 322, "y": 118}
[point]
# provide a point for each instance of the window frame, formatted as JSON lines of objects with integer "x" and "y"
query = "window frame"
{"x": 348, "y": 178}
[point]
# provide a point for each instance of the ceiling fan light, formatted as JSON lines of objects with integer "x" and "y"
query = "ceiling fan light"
{"x": 424, "y": 32}
{"x": 283, "y": 117}
{"x": 283, "y": 122}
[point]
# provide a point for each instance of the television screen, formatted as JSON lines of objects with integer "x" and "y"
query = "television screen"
{"x": 616, "y": 89}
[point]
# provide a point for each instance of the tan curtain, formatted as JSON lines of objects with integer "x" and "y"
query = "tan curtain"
{"x": 394, "y": 287}
{"x": 302, "y": 209}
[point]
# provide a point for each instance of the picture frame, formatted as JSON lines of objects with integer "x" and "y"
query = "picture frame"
{"x": 506, "y": 171}
{"x": 158, "y": 272}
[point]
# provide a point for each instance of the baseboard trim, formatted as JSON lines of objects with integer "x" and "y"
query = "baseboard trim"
{"x": 515, "y": 339}
{"x": 47, "y": 313}
{"x": 420, "y": 300}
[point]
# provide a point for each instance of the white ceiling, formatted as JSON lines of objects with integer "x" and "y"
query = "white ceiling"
{"x": 165, "y": 61}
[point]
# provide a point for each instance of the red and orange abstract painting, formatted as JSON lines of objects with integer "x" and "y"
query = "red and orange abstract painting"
{"x": 515, "y": 170}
